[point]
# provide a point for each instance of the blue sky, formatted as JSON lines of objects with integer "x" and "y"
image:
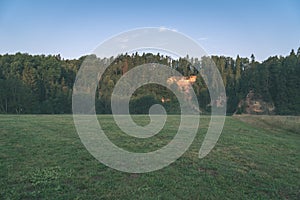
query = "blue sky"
{"x": 76, "y": 28}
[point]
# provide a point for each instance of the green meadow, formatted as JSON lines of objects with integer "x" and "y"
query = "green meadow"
{"x": 256, "y": 157}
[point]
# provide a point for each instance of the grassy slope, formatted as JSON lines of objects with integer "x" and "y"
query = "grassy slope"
{"x": 42, "y": 157}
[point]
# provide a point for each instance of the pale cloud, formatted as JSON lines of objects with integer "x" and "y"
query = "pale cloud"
{"x": 202, "y": 38}
{"x": 163, "y": 28}
{"x": 123, "y": 40}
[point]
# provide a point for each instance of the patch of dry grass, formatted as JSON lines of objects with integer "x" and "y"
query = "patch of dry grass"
{"x": 274, "y": 122}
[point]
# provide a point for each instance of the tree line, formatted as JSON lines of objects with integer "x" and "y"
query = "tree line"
{"x": 42, "y": 84}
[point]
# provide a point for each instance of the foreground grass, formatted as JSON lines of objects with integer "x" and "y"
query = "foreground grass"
{"x": 42, "y": 157}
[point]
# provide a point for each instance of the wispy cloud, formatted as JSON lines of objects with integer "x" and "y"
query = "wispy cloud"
{"x": 202, "y": 38}
{"x": 163, "y": 28}
{"x": 123, "y": 40}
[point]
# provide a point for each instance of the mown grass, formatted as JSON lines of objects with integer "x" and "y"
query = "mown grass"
{"x": 42, "y": 157}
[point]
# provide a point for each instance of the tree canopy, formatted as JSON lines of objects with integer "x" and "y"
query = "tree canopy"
{"x": 43, "y": 84}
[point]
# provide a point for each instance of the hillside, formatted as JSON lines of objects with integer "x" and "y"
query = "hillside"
{"x": 43, "y": 84}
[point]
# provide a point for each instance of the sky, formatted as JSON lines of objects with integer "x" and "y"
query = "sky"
{"x": 75, "y": 28}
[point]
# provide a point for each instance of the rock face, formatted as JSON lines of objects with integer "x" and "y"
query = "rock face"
{"x": 254, "y": 104}
{"x": 183, "y": 84}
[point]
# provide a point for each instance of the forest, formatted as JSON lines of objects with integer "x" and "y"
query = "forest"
{"x": 40, "y": 84}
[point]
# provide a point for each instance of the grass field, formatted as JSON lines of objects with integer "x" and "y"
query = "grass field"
{"x": 257, "y": 157}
